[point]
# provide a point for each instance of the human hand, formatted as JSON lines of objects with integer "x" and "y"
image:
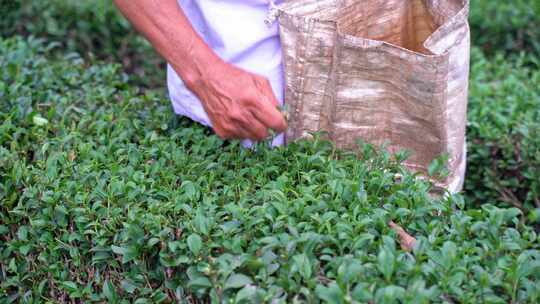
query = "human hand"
{"x": 240, "y": 104}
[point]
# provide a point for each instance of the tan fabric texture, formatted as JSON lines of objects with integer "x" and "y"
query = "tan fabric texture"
{"x": 383, "y": 71}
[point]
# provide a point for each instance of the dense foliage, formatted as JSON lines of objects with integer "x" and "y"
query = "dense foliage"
{"x": 504, "y": 133}
{"x": 105, "y": 196}
{"x": 92, "y": 28}
{"x": 108, "y": 197}
{"x": 95, "y": 27}
{"x": 506, "y": 26}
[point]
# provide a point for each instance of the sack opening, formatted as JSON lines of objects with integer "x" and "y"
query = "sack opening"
{"x": 405, "y": 23}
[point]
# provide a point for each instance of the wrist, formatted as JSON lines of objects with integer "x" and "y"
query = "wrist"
{"x": 196, "y": 69}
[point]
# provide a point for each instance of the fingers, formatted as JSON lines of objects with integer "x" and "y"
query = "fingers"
{"x": 243, "y": 125}
{"x": 266, "y": 111}
{"x": 257, "y": 131}
{"x": 238, "y": 133}
{"x": 267, "y": 114}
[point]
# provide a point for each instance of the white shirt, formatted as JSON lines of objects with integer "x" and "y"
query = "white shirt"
{"x": 236, "y": 31}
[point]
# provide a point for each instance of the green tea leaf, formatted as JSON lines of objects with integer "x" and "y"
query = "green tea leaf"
{"x": 386, "y": 263}
{"x": 39, "y": 121}
{"x": 237, "y": 281}
{"x": 109, "y": 292}
{"x": 194, "y": 242}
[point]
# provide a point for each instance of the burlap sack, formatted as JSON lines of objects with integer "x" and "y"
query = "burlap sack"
{"x": 384, "y": 71}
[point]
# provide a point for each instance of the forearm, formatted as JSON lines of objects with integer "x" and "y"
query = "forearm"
{"x": 167, "y": 28}
{"x": 239, "y": 104}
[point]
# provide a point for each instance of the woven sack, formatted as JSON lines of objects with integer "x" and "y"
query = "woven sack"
{"x": 384, "y": 71}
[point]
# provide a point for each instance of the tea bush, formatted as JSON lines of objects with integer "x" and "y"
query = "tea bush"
{"x": 504, "y": 133}
{"x": 93, "y": 28}
{"x": 107, "y": 197}
{"x": 96, "y": 27}
{"x": 507, "y": 26}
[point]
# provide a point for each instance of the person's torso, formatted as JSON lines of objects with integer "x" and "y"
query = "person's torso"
{"x": 237, "y": 32}
{"x": 235, "y": 29}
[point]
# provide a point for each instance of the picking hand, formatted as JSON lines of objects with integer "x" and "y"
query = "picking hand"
{"x": 240, "y": 104}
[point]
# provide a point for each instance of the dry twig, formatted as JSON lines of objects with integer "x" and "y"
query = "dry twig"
{"x": 406, "y": 241}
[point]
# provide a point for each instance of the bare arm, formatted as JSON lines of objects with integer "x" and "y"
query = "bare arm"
{"x": 239, "y": 104}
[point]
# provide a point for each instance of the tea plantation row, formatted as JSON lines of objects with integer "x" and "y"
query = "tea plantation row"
{"x": 106, "y": 196}
{"x": 503, "y": 134}
{"x": 93, "y": 28}
{"x": 96, "y": 27}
